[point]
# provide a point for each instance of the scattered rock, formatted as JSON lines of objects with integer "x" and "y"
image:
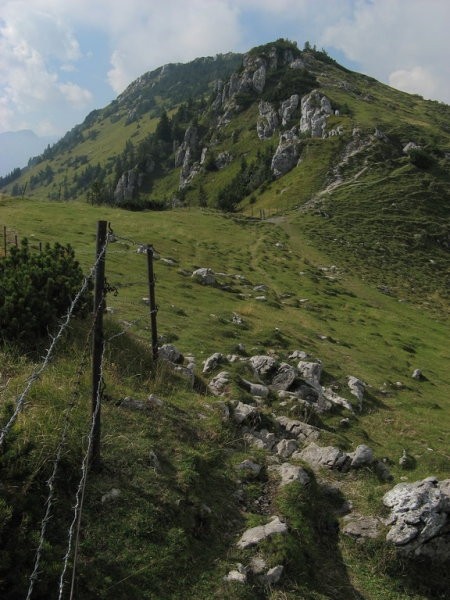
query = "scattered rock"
{"x": 204, "y": 276}
{"x": 286, "y": 154}
{"x": 417, "y": 374}
{"x": 255, "y": 389}
{"x": 285, "y": 448}
{"x": 249, "y": 465}
{"x": 273, "y": 575}
{"x": 253, "y": 536}
{"x": 419, "y": 518}
{"x": 170, "y": 353}
{"x": 298, "y": 354}
{"x": 244, "y": 412}
{"x": 284, "y": 377}
{"x": 264, "y": 366}
{"x": 239, "y": 575}
{"x": 257, "y": 565}
{"x": 263, "y": 439}
{"x": 327, "y": 457}
{"x": 220, "y": 383}
{"x": 361, "y": 527}
{"x": 357, "y": 388}
{"x": 310, "y": 371}
{"x": 405, "y": 461}
{"x": 302, "y": 431}
{"x": 213, "y": 361}
{"x": 362, "y": 456}
{"x": 334, "y": 398}
{"x": 291, "y": 473}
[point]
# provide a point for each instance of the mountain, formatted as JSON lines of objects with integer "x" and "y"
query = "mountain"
{"x": 289, "y": 442}
{"x": 17, "y": 147}
{"x": 367, "y": 166}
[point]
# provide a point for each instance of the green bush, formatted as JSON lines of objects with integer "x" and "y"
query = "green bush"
{"x": 36, "y": 290}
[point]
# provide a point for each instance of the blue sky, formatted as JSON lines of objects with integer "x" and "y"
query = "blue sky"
{"x": 60, "y": 59}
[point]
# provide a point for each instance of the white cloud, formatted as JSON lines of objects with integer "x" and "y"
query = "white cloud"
{"x": 75, "y": 95}
{"x": 402, "y": 41}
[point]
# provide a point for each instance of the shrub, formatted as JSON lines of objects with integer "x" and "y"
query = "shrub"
{"x": 421, "y": 159}
{"x": 36, "y": 290}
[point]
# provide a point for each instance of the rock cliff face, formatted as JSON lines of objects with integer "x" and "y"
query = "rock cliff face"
{"x": 287, "y": 153}
{"x": 268, "y": 120}
{"x": 316, "y": 109}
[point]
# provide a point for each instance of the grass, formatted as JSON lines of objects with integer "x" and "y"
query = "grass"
{"x": 160, "y": 517}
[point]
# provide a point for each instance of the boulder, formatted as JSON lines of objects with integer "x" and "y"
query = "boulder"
{"x": 302, "y": 431}
{"x": 255, "y": 389}
{"x": 357, "y": 388}
{"x": 327, "y": 457}
{"x": 204, "y": 276}
{"x": 223, "y": 160}
{"x": 417, "y": 374}
{"x": 220, "y": 383}
{"x": 310, "y": 371}
{"x": 419, "y": 519}
{"x": 249, "y": 466}
{"x": 264, "y": 366}
{"x": 244, "y": 412}
{"x": 286, "y": 154}
{"x": 170, "y": 353}
{"x": 290, "y": 474}
{"x": 213, "y": 361}
{"x": 362, "y": 456}
{"x": 361, "y": 527}
{"x": 316, "y": 109}
{"x": 263, "y": 439}
{"x": 287, "y": 109}
{"x": 273, "y": 575}
{"x": 285, "y": 448}
{"x": 334, "y": 398}
{"x": 284, "y": 377}
{"x": 255, "y": 535}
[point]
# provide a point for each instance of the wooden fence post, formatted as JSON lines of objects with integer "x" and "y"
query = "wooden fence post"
{"x": 98, "y": 341}
{"x": 153, "y": 307}
{"x": 4, "y": 238}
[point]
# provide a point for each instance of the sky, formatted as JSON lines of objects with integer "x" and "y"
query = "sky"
{"x": 60, "y": 59}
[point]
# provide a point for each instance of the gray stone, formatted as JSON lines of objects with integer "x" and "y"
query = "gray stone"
{"x": 287, "y": 108}
{"x": 255, "y": 389}
{"x": 255, "y": 535}
{"x": 286, "y": 154}
{"x": 243, "y": 412}
{"x": 267, "y": 122}
{"x": 420, "y": 518}
{"x": 204, "y": 276}
{"x": 310, "y": 371}
{"x": 302, "y": 431}
{"x": 405, "y": 461}
{"x": 327, "y": 457}
{"x": 113, "y": 494}
{"x": 361, "y": 527}
{"x": 298, "y": 354}
{"x": 223, "y": 159}
{"x": 213, "y": 361}
{"x": 334, "y": 398}
{"x": 284, "y": 377}
{"x": 362, "y": 456}
{"x": 382, "y": 471}
{"x": 264, "y": 366}
{"x": 285, "y": 448}
{"x": 417, "y": 374}
{"x": 257, "y": 565}
{"x": 236, "y": 576}
{"x": 220, "y": 383}
{"x": 249, "y": 465}
{"x": 316, "y": 109}
{"x": 153, "y": 460}
{"x": 273, "y": 575}
{"x": 263, "y": 440}
{"x": 357, "y": 388}
{"x": 291, "y": 473}
{"x": 170, "y": 353}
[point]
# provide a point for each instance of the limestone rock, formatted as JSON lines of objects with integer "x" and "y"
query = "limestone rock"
{"x": 316, "y": 109}
{"x": 287, "y": 108}
{"x": 264, "y": 366}
{"x": 213, "y": 361}
{"x": 263, "y": 439}
{"x": 253, "y": 536}
{"x": 170, "y": 353}
{"x": 362, "y": 456}
{"x": 302, "y": 431}
{"x": 257, "y": 565}
{"x": 284, "y": 377}
{"x": 361, "y": 527}
{"x": 259, "y": 78}
{"x": 291, "y": 473}
{"x": 285, "y": 448}
{"x": 204, "y": 276}
{"x": 243, "y": 412}
{"x": 237, "y": 575}
{"x": 286, "y": 154}
{"x": 419, "y": 520}
{"x": 357, "y": 388}
{"x": 267, "y": 122}
{"x": 310, "y": 371}
{"x": 250, "y": 466}
{"x": 334, "y": 398}
{"x": 273, "y": 575}
{"x": 409, "y": 147}
{"x": 223, "y": 160}
{"x": 255, "y": 389}
{"x": 327, "y": 457}
{"x": 220, "y": 383}
{"x": 417, "y": 374}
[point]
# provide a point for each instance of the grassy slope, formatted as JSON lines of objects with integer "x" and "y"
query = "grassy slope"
{"x": 159, "y": 521}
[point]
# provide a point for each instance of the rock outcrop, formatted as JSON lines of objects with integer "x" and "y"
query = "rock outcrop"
{"x": 267, "y": 122}
{"x": 286, "y": 154}
{"x": 316, "y": 109}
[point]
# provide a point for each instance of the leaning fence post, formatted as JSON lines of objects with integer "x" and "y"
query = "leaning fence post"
{"x": 153, "y": 307}
{"x": 98, "y": 341}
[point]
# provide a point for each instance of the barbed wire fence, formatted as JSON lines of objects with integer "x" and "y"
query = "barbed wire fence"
{"x": 96, "y": 273}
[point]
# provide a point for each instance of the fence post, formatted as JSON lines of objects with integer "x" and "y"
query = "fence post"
{"x": 153, "y": 307}
{"x": 98, "y": 341}
{"x": 4, "y": 238}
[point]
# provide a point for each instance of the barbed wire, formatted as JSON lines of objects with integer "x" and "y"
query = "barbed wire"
{"x": 65, "y": 322}
{"x": 74, "y": 529}
{"x": 62, "y": 442}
